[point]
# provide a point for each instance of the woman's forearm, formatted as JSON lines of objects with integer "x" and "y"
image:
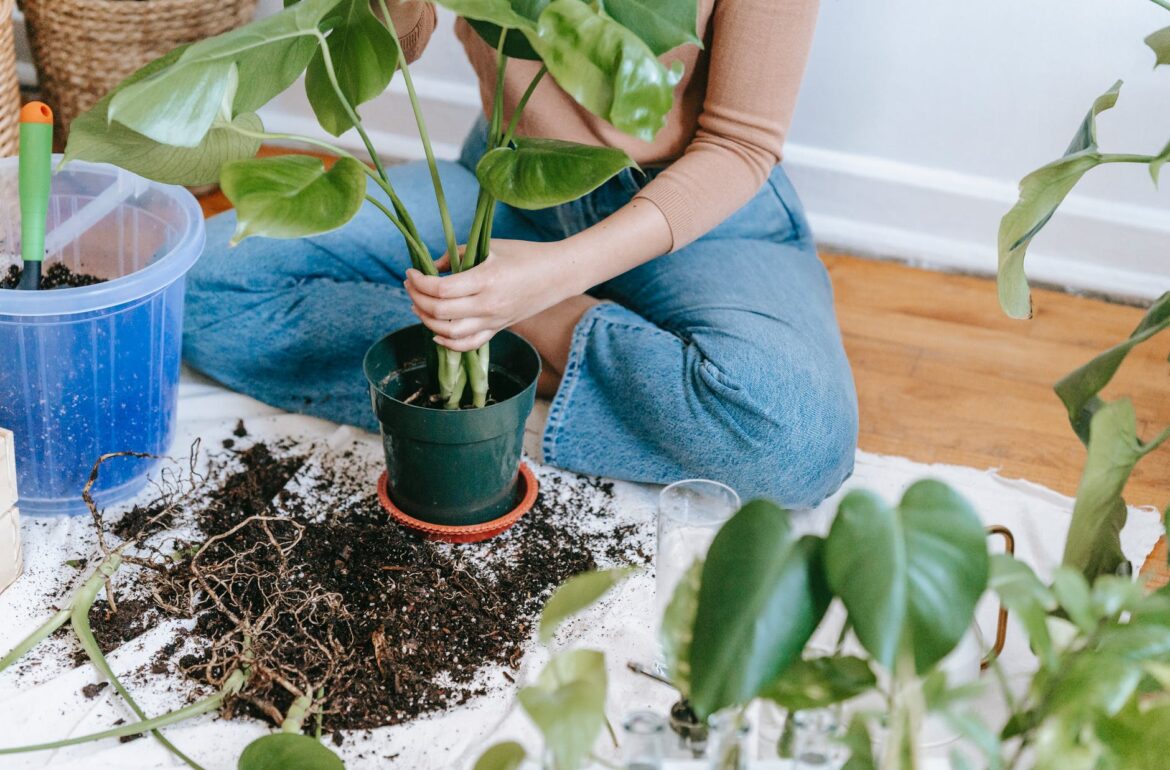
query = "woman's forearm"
{"x": 631, "y": 236}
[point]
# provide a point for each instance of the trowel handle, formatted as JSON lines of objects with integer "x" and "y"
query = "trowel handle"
{"x": 36, "y": 169}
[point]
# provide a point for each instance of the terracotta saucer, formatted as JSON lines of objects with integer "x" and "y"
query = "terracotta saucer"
{"x": 470, "y": 533}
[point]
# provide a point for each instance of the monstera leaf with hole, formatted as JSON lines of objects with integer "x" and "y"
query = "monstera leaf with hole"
{"x": 539, "y": 173}
{"x": 364, "y": 55}
{"x": 761, "y": 597}
{"x": 93, "y": 137}
{"x": 224, "y": 76}
{"x": 1078, "y": 389}
{"x": 292, "y": 196}
{"x": 910, "y": 576}
{"x": 1041, "y": 193}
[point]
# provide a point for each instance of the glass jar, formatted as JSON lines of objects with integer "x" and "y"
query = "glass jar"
{"x": 816, "y": 741}
{"x": 690, "y": 514}
{"x": 644, "y": 732}
{"x": 728, "y": 745}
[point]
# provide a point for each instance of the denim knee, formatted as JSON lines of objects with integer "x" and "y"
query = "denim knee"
{"x": 796, "y": 426}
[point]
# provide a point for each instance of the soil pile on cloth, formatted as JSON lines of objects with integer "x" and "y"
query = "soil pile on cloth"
{"x": 315, "y": 591}
{"x": 55, "y": 276}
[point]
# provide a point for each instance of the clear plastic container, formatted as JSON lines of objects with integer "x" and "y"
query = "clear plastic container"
{"x": 94, "y": 370}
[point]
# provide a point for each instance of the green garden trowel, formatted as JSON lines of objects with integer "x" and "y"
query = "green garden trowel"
{"x": 36, "y": 168}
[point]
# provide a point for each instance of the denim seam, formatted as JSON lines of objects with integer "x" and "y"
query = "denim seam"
{"x": 796, "y": 228}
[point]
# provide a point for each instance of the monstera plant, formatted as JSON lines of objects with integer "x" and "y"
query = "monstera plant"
{"x": 190, "y": 118}
{"x": 1108, "y": 429}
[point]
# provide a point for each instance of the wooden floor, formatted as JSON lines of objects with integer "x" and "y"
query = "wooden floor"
{"x": 943, "y": 376}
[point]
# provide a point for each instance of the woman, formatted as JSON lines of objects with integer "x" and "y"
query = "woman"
{"x": 684, "y": 320}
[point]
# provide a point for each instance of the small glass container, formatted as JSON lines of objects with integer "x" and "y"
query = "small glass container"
{"x": 816, "y": 739}
{"x": 644, "y": 732}
{"x": 728, "y": 746}
{"x": 690, "y": 514}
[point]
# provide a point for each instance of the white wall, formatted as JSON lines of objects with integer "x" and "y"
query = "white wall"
{"x": 916, "y": 121}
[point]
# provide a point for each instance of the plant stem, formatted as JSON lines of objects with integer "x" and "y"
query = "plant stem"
{"x": 1164, "y": 3}
{"x": 524, "y": 103}
{"x": 294, "y": 719}
{"x": 36, "y": 637}
{"x": 416, "y": 248}
{"x": 207, "y": 705}
{"x": 351, "y": 113}
{"x": 440, "y": 197}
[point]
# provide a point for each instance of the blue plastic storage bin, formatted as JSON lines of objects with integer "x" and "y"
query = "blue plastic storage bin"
{"x": 95, "y": 370}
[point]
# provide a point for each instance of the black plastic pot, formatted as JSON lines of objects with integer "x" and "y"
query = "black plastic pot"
{"x": 451, "y": 467}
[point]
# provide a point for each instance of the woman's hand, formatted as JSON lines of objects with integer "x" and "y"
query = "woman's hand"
{"x": 517, "y": 280}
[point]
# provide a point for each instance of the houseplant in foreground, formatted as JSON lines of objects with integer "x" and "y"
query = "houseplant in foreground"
{"x": 1108, "y": 429}
{"x": 189, "y": 118}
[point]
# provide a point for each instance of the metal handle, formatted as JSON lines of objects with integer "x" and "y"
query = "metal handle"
{"x": 1009, "y": 547}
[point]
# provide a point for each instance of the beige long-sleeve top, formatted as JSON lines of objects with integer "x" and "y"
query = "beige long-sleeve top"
{"x": 730, "y": 117}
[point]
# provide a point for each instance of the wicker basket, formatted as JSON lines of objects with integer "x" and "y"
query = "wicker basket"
{"x": 83, "y": 48}
{"x": 9, "y": 85}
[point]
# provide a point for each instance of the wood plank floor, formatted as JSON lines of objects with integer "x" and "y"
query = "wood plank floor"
{"x": 943, "y": 376}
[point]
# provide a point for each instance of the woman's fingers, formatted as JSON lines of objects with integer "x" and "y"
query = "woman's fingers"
{"x": 464, "y": 344}
{"x": 443, "y": 263}
{"x": 447, "y": 309}
{"x": 463, "y": 284}
{"x": 451, "y": 329}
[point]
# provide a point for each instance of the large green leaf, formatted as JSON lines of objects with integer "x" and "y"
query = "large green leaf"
{"x": 1072, "y": 591}
{"x": 1136, "y": 737}
{"x": 860, "y": 745}
{"x": 509, "y": 14}
{"x": 762, "y": 596}
{"x": 815, "y": 683}
{"x": 1028, "y": 599}
{"x": 567, "y": 703}
{"x": 606, "y": 68}
{"x": 233, "y": 73}
{"x": 93, "y": 137}
{"x": 1041, "y": 193}
{"x": 516, "y": 46}
{"x": 364, "y": 54}
{"x": 288, "y": 751}
{"x": 577, "y": 593}
{"x": 539, "y": 173}
{"x": 1078, "y": 389}
{"x": 661, "y": 24}
{"x": 1159, "y": 43}
{"x": 925, "y": 566}
{"x": 291, "y": 196}
{"x": 508, "y": 755}
{"x": 1094, "y": 536}
{"x": 678, "y": 628}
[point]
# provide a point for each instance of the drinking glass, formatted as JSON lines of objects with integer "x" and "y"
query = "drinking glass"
{"x": 690, "y": 513}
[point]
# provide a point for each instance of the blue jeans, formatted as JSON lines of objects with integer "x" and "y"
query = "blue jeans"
{"x": 720, "y": 360}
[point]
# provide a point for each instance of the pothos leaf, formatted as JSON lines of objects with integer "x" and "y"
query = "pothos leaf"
{"x": 223, "y": 76}
{"x": 661, "y": 24}
{"x": 1159, "y": 43}
{"x": 577, "y": 593}
{"x": 567, "y": 703}
{"x": 288, "y": 751}
{"x": 539, "y": 173}
{"x": 1041, "y": 193}
{"x": 678, "y": 628}
{"x": 364, "y": 55}
{"x": 508, "y": 755}
{"x": 291, "y": 196}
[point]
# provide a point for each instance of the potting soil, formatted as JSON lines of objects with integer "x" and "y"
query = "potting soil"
{"x": 54, "y": 276}
{"x": 298, "y": 572}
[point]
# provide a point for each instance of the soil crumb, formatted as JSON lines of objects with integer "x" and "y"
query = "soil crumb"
{"x": 54, "y": 276}
{"x": 296, "y": 570}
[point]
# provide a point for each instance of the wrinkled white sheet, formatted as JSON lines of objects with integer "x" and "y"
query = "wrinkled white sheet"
{"x": 41, "y": 700}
